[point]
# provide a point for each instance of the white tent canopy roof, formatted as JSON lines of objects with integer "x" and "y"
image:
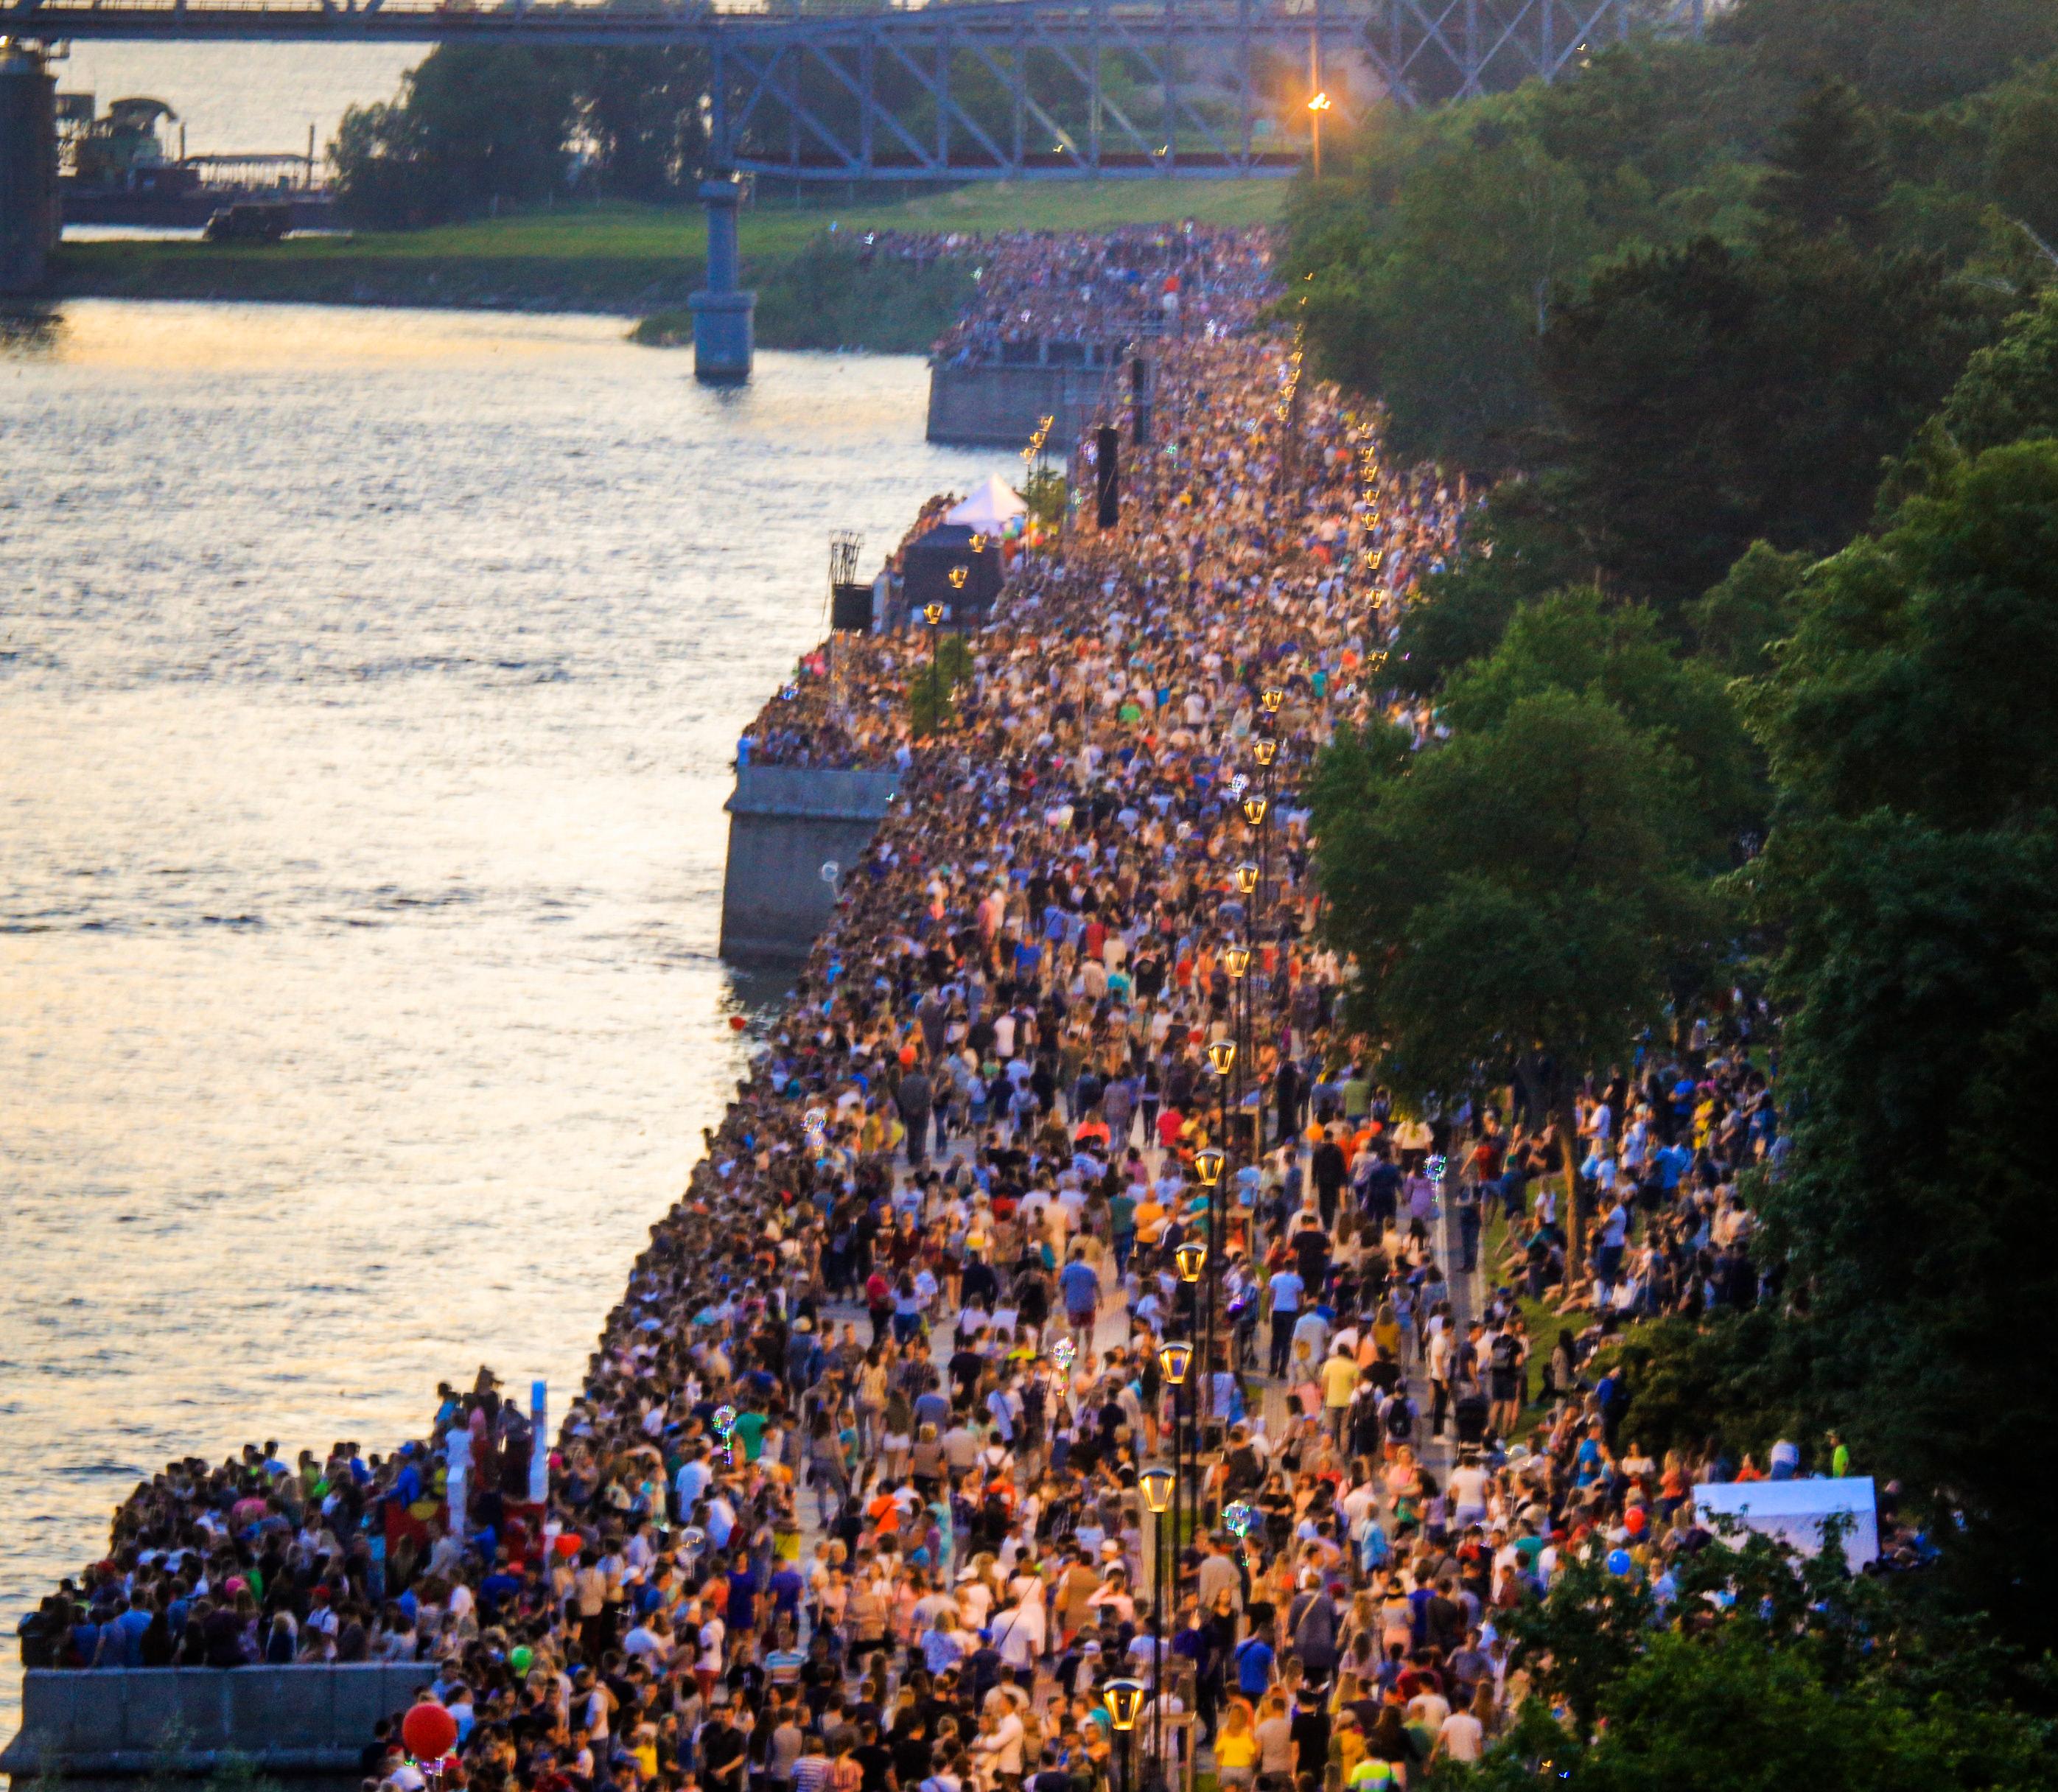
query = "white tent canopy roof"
{"x": 1793, "y": 1511}
{"x": 990, "y": 506}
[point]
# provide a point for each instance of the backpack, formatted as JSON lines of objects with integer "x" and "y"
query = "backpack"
{"x": 1400, "y": 1421}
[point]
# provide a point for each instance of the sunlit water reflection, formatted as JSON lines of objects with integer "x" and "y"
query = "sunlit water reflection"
{"x": 367, "y": 684}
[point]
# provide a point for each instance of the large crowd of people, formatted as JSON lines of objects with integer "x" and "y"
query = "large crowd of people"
{"x": 850, "y": 1498}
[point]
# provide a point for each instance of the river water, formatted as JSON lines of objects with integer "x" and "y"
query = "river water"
{"x": 368, "y": 681}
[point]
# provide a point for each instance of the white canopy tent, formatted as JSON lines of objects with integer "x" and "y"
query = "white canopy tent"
{"x": 991, "y": 506}
{"x": 1793, "y": 1511}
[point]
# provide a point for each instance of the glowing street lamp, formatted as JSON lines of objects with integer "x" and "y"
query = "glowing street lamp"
{"x": 1208, "y": 1163}
{"x": 1254, "y": 810}
{"x": 1236, "y": 960}
{"x": 1263, "y": 748}
{"x": 1156, "y": 1482}
{"x": 1247, "y": 877}
{"x": 1190, "y": 1257}
{"x": 1316, "y": 106}
{"x": 1221, "y": 1055}
{"x": 1175, "y": 1357}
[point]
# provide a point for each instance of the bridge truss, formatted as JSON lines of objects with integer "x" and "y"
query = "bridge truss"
{"x": 973, "y": 90}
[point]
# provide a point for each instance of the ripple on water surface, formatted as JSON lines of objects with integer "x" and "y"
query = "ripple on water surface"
{"x": 370, "y": 680}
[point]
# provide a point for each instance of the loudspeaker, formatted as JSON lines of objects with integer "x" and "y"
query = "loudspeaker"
{"x": 850, "y": 609}
{"x": 1107, "y": 474}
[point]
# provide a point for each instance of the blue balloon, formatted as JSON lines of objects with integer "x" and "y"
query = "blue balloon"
{"x": 1619, "y": 1562}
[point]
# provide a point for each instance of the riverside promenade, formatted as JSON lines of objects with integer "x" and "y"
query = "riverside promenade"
{"x": 1072, "y": 1022}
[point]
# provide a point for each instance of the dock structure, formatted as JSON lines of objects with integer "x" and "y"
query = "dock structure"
{"x": 795, "y": 832}
{"x": 1001, "y": 401}
{"x": 306, "y": 1723}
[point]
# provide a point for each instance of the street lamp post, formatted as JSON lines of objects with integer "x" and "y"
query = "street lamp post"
{"x": 933, "y": 615}
{"x": 1175, "y": 1357}
{"x": 1158, "y": 1484}
{"x": 1208, "y": 1163}
{"x": 1221, "y": 1060}
{"x": 1317, "y": 105}
{"x": 1125, "y": 1699}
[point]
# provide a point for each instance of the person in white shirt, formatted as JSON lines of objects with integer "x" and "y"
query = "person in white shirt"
{"x": 1461, "y": 1736}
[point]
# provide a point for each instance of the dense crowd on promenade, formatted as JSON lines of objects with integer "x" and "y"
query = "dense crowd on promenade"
{"x": 849, "y": 1498}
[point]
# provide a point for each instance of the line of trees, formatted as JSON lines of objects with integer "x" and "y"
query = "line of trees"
{"x": 1748, "y": 677}
{"x": 473, "y": 127}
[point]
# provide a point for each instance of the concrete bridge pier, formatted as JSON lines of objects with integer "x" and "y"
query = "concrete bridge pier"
{"x": 722, "y": 334}
{"x": 30, "y": 219}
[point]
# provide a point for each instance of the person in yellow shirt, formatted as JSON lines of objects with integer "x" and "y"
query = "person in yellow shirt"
{"x": 1339, "y": 1376}
{"x": 1151, "y": 1216}
{"x": 1236, "y": 1749}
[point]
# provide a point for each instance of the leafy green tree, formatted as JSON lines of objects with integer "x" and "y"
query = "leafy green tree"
{"x": 1711, "y": 398}
{"x": 1904, "y": 53}
{"x": 1521, "y": 546}
{"x": 1436, "y": 296}
{"x": 2022, "y": 149}
{"x": 1757, "y": 1670}
{"x": 1736, "y": 623}
{"x": 1920, "y": 677}
{"x": 1572, "y": 641}
{"x": 1740, "y": 1379}
{"x": 1911, "y": 888}
{"x": 1514, "y": 901}
{"x": 1828, "y": 169}
{"x": 640, "y": 111}
{"x": 474, "y": 124}
{"x": 2010, "y": 391}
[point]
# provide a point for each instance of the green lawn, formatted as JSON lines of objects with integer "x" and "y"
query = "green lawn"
{"x": 634, "y": 260}
{"x": 667, "y": 234}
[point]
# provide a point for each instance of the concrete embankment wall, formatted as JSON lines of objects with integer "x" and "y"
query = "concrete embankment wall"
{"x": 999, "y": 404}
{"x": 112, "y": 1723}
{"x": 786, "y": 823}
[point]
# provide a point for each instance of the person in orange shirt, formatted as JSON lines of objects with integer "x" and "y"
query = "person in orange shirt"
{"x": 1151, "y": 1214}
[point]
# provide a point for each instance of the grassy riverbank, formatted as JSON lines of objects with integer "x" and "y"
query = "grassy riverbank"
{"x": 642, "y": 261}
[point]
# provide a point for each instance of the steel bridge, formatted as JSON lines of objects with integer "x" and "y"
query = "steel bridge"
{"x": 985, "y": 89}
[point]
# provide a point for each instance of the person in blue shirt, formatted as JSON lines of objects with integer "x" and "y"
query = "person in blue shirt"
{"x": 1253, "y": 1667}
{"x": 1079, "y": 1282}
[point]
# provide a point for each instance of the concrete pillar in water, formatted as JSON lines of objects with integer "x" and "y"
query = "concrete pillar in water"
{"x": 30, "y": 220}
{"x": 722, "y": 337}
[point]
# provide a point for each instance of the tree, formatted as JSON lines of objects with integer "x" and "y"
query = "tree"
{"x": 640, "y": 111}
{"x": 1521, "y": 546}
{"x": 1572, "y": 641}
{"x": 1828, "y": 170}
{"x": 2022, "y": 148}
{"x": 1513, "y": 902}
{"x": 1736, "y": 623}
{"x": 1910, "y": 888}
{"x": 1710, "y": 397}
{"x": 474, "y": 124}
{"x": 2009, "y": 390}
{"x": 1920, "y": 677}
{"x": 1906, "y": 53}
{"x": 1435, "y": 296}
{"x": 1756, "y": 1670}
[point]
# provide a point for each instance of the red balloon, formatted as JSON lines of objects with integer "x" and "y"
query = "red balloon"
{"x": 429, "y": 1731}
{"x": 568, "y": 1544}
